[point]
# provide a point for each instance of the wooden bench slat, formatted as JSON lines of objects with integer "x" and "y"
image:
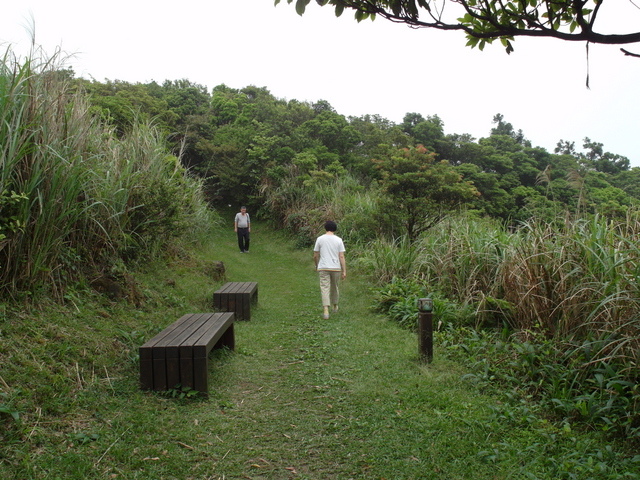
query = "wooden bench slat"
{"x": 217, "y": 334}
{"x": 165, "y": 370}
{"x": 236, "y": 297}
{"x": 212, "y": 333}
{"x": 172, "y": 349}
{"x": 179, "y": 354}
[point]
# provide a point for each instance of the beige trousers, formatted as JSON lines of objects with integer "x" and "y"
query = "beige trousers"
{"x": 329, "y": 287}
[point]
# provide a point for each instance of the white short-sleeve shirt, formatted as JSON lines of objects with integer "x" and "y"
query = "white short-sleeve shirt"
{"x": 329, "y": 247}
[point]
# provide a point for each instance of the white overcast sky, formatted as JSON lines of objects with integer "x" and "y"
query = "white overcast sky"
{"x": 370, "y": 67}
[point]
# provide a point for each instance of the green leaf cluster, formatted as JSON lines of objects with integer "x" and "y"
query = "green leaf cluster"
{"x": 10, "y": 222}
{"x": 484, "y": 21}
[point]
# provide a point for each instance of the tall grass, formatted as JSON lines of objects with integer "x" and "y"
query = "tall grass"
{"x": 575, "y": 279}
{"x": 581, "y": 276}
{"x": 302, "y": 204}
{"x": 568, "y": 293}
{"x": 462, "y": 257}
{"x": 386, "y": 259}
{"x": 457, "y": 261}
{"x": 74, "y": 196}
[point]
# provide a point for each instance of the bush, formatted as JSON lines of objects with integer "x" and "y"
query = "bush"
{"x": 399, "y": 301}
{"x": 84, "y": 195}
{"x": 568, "y": 379}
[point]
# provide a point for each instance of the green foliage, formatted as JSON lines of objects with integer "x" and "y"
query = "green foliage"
{"x": 459, "y": 259}
{"x": 425, "y": 131}
{"x": 241, "y": 142}
{"x": 9, "y": 206}
{"x": 324, "y": 385}
{"x": 83, "y": 438}
{"x": 85, "y": 193}
{"x": 11, "y": 425}
{"x": 568, "y": 293}
{"x": 568, "y": 378}
{"x": 384, "y": 260}
{"x": 564, "y": 279}
{"x": 577, "y": 277}
{"x": 295, "y": 385}
{"x": 7, "y": 410}
{"x": 396, "y": 290}
{"x": 182, "y": 392}
{"x": 485, "y": 22}
{"x": 418, "y": 189}
{"x": 398, "y": 301}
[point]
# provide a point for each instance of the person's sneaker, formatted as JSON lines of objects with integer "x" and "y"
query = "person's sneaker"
{"x": 325, "y": 316}
{"x": 335, "y": 308}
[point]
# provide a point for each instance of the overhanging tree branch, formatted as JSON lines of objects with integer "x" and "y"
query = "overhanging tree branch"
{"x": 484, "y": 21}
{"x": 628, "y": 53}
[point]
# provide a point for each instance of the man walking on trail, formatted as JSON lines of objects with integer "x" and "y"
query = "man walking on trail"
{"x": 242, "y": 227}
{"x": 328, "y": 255}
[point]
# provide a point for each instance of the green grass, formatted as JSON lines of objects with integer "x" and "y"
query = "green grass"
{"x": 300, "y": 398}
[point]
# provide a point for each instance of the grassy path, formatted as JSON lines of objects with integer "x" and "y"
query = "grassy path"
{"x": 344, "y": 398}
{"x": 300, "y": 398}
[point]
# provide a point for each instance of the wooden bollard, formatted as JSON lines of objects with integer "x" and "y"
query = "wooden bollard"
{"x": 425, "y": 329}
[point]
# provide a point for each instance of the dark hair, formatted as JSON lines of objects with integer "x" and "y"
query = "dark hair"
{"x": 330, "y": 226}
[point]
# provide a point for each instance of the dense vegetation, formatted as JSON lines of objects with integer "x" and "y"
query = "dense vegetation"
{"x": 531, "y": 256}
{"x": 78, "y": 200}
{"x": 253, "y": 148}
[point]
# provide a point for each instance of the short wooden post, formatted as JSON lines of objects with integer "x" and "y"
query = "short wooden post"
{"x": 425, "y": 329}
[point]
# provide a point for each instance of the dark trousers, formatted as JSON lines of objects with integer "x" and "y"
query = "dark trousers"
{"x": 243, "y": 239}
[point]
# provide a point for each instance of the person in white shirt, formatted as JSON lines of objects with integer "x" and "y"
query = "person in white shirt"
{"x": 242, "y": 227}
{"x": 328, "y": 256}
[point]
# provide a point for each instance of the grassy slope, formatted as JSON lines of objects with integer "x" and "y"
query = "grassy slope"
{"x": 300, "y": 398}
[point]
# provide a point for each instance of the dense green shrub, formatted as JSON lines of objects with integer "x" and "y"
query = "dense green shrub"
{"x": 561, "y": 301}
{"x": 76, "y": 198}
{"x": 398, "y": 299}
{"x": 568, "y": 379}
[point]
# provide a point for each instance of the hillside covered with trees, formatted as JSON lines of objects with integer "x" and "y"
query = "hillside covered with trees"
{"x": 250, "y": 147}
{"x": 532, "y": 257}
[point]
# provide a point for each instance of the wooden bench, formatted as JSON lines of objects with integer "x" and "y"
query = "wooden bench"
{"x": 179, "y": 355}
{"x": 236, "y": 297}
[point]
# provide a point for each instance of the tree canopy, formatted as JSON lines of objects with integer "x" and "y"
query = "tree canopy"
{"x": 419, "y": 190}
{"x": 250, "y": 147}
{"x": 484, "y": 21}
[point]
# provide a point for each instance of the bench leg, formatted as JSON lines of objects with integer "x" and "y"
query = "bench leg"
{"x": 146, "y": 374}
{"x": 200, "y": 374}
{"x": 227, "y": 339}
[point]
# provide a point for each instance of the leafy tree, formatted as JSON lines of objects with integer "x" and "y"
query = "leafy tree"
{"x": 425, "y": 131}
{"x": 629, "y": 181}
{"x": 185, "y": 98}
{"x": 526, "y": 167}
{"x": 330, "y": 130}
{"x": 419, "y": 191}
{"x": 245, "y": 142}
{"x": 123, "y": 103}
{"x": 459, "y": 149}
{"x": 484, "y": 21}
{"x": 604, "y": 161}
{"x": 610, "y": 201}
{"x": 565, "y": 147}
{"x": 506, "y": 129}
{"x": 225, "y": 105}
{"x": 377, "y": 135}
{"x": 492, "y": 200}
{"x": 594, "y": 157}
